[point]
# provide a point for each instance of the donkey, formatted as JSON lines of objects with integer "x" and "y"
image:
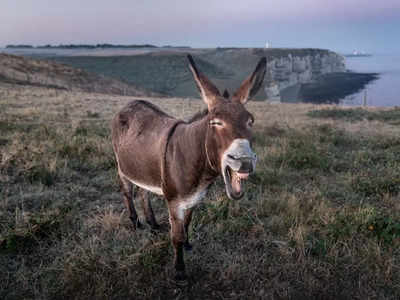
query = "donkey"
{"x": 179, "y": 160}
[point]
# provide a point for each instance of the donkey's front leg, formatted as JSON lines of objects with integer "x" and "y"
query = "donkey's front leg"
{"x": 187, "y": 220}
{"x": 178, "y": 239}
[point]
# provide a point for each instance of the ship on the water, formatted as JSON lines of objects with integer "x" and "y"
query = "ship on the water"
{"x": 358, "y": 54}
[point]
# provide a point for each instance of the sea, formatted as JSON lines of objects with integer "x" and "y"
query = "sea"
{"x": 384, "y": 91}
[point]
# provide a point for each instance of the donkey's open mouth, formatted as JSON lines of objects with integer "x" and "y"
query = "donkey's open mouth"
{"x": 234, "y": 183}
{"x": 238, "y": 162}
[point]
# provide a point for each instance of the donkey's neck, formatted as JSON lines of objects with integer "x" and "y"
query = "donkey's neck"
{"x": 186, "y": 164}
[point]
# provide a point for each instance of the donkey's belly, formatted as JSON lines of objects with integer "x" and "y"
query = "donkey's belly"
{"x": 151, "y": 188}
{"x": 140, "y": 135}
{"x": 142, "y": 172}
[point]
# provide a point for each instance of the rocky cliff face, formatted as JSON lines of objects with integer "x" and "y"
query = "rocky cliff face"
{"x": 287, "y": 69}
{"x": 286, "y": 74}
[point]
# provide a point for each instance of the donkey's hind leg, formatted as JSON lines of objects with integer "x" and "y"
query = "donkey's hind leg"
{"x": 127, "y": 189}
{"x": 148, "y": 210}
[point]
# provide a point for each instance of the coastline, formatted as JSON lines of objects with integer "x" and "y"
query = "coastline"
{"x": 332, "y": 88}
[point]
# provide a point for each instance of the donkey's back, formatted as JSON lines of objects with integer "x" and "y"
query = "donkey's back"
{"x": 139, "y": 134}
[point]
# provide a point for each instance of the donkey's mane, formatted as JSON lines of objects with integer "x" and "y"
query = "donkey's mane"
{"x": 198, "y": 116}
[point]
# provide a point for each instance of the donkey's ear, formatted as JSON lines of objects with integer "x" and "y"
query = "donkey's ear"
{"x": 252, "y": 84}
{"x": 208, "y": 91}
{"x": 225, "y": 94}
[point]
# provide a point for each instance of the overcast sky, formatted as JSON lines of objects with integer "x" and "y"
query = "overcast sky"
{"x": 340, "y": 25}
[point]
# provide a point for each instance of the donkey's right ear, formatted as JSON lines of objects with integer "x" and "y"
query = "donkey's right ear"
{"x": 208, "y": 91}
{"x": 252, "y": 84}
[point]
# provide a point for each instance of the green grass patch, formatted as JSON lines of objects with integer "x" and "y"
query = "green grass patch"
{"x": 368, "y": 222}
{"x": 303, "y": 154}
{"x": 377, "y": 183}
{"x": 351, "y": 115}
{"x": 391, "y": 116}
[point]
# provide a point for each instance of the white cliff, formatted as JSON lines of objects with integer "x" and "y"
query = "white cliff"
{"x": 287, "y": 73}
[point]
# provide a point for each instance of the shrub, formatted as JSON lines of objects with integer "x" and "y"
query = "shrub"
{"x": 302, "y": 153}
{"x": 351, "y": 115}
{"x": 376, "y": 183}
{"x": 39, "y": 228}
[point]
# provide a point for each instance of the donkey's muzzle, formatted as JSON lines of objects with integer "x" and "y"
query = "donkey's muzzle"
{"x": 240, "y": 157}
{"x": 241, "y": 164}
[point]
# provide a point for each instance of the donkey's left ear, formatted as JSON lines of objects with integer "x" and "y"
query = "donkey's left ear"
{"x": 252, "y": 84}
{"x": 208, "y": 90}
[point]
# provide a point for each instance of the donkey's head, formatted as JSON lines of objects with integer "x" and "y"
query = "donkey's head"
{"x": 229, "y": 133}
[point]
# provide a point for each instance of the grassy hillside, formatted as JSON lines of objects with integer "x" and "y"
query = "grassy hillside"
{"x": 320, "y": 220}
{"x": 163, "y": 73}
{"x": 28, "y": 71}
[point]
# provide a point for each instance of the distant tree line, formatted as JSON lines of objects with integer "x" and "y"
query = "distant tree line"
{"x": 181, "y": 47}
{"x": 88, "y": 46}
{"x": 19, "y": 46}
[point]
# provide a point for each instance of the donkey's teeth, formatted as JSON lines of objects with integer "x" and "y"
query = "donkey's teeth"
{"x": 243, "y": 175}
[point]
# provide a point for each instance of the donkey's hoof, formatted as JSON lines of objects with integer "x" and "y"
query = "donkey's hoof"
{"x": 154, "y": 226}
{"x": 136, "y": 223}
{"x": 188, "y": 246}
{"x": 181, "y": 278}
{"x": 139, "y": 225}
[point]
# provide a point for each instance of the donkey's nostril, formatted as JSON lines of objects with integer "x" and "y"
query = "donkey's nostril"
{"x": 246, "y": 167}
{"x": 232, "y": 157}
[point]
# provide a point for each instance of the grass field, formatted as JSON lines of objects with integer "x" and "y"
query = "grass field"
{"x": 320, "y": 220}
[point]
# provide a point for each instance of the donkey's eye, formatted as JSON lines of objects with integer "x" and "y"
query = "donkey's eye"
{"x": 216, "y": 122}
{"x": 250, "y": 122}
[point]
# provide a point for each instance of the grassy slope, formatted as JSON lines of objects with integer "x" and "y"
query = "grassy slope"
{"x": 321, "y": 218}
{"x": 163, "y": 73}
{"x": 34, "y": 72}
